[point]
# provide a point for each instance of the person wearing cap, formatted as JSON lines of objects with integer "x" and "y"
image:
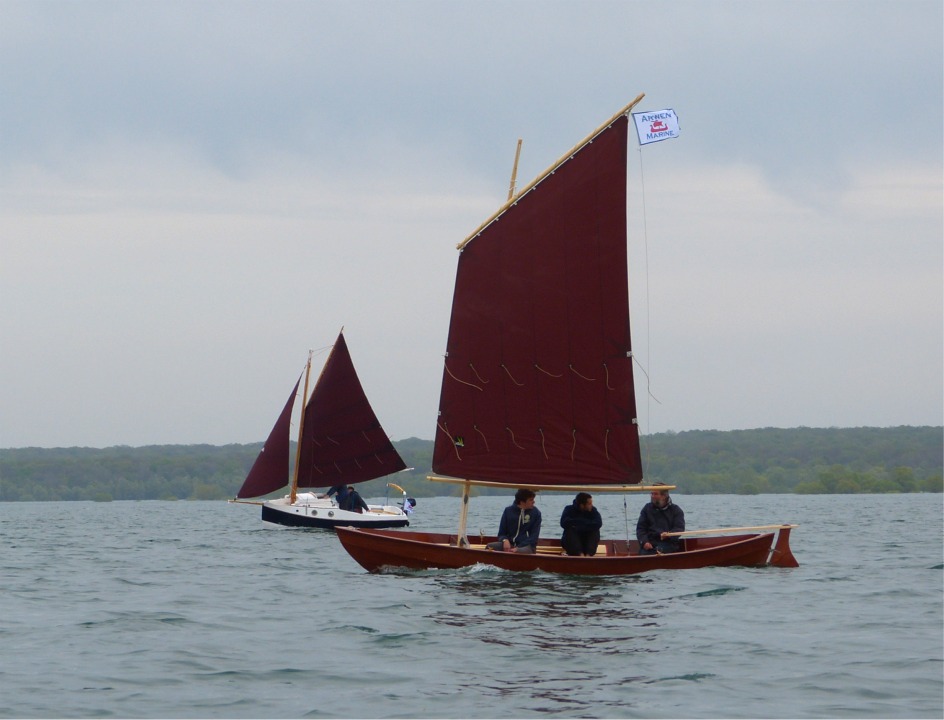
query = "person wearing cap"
{"x": 659, "y": 516}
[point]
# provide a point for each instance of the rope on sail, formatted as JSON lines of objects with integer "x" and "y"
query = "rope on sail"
{"x": 581, "y": 376}
{"x": 481, "y": 379}
{"x": 511, "y": 432}
{"x": 606, "y": 371}
{"x": 504, "y": 367}
{"x": 461, "y": 381}
{"x": 445, "y": 429}
{"x": 549, "y": 374}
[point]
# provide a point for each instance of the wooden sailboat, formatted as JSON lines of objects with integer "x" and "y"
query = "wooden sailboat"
{"x": 340, "y": 441}
{"x": 537, "y": 387}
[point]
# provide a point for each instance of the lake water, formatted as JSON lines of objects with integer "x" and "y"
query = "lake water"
{"x": 198, "y": 610}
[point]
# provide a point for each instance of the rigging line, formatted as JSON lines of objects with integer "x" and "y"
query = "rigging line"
{"x": 484, "y": 439}
{"x": 645, "y": 241}
{"x": 543, "y": 449}
{"x": 643, "y": 371}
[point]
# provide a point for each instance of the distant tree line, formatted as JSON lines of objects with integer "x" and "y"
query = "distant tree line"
{"x": 768, "y": 460}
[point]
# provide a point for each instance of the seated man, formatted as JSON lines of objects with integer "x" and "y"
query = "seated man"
{"x": 581, "y": 522}
{"x": 520, "y": 525}
{"x": 659, "y": 516}
{"x": 355, "y": 503}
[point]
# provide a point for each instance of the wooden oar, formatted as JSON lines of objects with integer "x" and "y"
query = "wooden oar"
{"x": 716, "y": 531}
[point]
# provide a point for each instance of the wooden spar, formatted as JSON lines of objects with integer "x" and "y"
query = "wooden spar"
{"x": 720, "y": 531}
{"x": 301, "y": 428}
{"x": 246, "y": 502}
{"x": 551, "y": 169}
{"x": 538, "y": 488}
{"x": 462, "y": 539}
{"x": 514, "y": 172}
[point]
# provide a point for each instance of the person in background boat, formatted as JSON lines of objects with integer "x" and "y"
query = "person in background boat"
{"x": 408, "y": 505}
{"x": 355, "y": 503}
{"x": 659, "y": 516}
{"x": 341, "y": 491}
{"x": 581, "y": 522}
{"x": 520, "y": 525}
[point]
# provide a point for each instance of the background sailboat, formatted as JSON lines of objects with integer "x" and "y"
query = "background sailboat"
{"x": 537, "y": 386}
{"x": 340, "y": 442}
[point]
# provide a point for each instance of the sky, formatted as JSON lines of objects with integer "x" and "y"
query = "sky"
{"x": 195, "y": 194}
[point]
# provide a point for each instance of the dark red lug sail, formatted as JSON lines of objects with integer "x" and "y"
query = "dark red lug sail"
{"x": 538, "y": 379}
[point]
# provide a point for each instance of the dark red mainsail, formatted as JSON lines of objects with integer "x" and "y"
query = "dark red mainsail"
{"x": 538, "y": 380}
{"x": 342, "y": 440}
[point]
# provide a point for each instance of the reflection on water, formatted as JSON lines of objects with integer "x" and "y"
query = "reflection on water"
{"x": 540, "y": 611}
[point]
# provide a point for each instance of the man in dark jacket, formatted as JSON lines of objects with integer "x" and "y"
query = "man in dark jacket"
{"x": 355, "y": 503}
{"x": 520, "y": 525}
{"x": 341, "y": 492}
{"x": 581, "y": 522}
{"x": 660, "y": 515}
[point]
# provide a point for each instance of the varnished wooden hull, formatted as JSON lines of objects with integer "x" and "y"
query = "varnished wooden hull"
{"x": 375, "y": 550}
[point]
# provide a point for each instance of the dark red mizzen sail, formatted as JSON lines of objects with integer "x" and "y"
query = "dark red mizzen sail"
{"x": 270, "y": 470}
{"x": 538, "y": 380}
{"x": 342, "y": 439}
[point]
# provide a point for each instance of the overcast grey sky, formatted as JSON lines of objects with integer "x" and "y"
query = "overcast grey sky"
{"x": 193, "y": 194}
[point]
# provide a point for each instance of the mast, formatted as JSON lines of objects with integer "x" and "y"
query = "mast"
{"x": 514, "y": 172}
{"x": 301, "y": 430}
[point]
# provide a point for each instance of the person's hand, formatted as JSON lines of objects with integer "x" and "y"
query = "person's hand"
{"x": 647, "y": 546}
{"x": 506, "y": 545}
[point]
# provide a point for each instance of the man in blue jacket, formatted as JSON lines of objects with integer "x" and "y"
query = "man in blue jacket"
{"x": 520, "y": 525}
{"x": 660, "y": 515}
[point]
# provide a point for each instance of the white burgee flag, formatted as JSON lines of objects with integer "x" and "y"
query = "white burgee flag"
{"x": 656, "y": 125}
